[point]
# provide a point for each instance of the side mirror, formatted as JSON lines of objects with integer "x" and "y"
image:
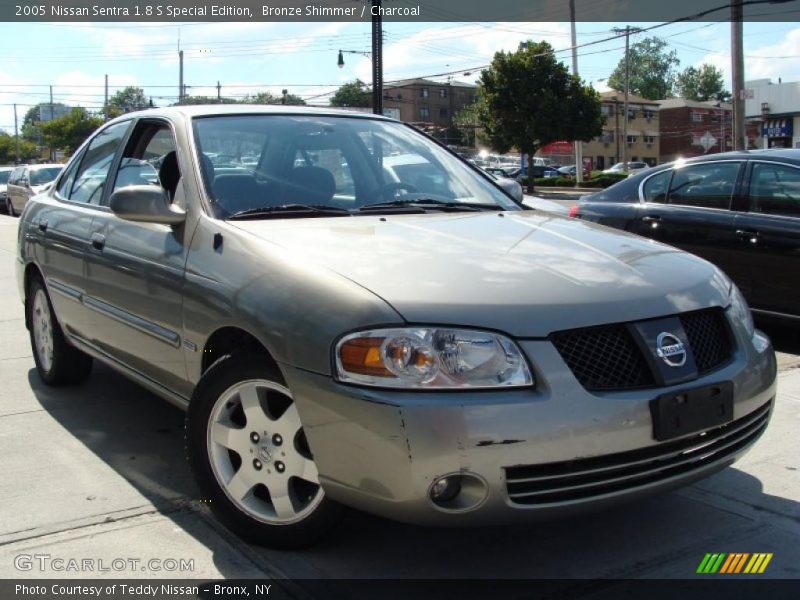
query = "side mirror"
{"x": 146, "y": 204}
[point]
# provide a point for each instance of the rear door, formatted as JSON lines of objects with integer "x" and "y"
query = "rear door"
{"x": 64, "y": 228}
{"x": 689, "y": 207}
{"x": 770, "y": 236}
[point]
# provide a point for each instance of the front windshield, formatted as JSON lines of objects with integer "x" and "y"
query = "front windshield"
{"x": 343, "y": 164}
{"x": 45, "y": 175}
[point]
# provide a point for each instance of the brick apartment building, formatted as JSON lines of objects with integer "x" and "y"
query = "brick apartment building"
{"x": 643, "y": 131}
{"x": 426, "y": 102}
{"x": 690, "y": 128}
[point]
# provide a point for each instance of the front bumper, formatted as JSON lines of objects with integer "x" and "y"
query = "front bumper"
{"x": 380, "y": 451}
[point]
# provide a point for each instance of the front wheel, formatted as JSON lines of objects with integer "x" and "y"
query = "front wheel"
{"x": 251, "y": 459}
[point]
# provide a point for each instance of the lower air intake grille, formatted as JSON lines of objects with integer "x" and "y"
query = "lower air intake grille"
{"x": 587, "y": 478}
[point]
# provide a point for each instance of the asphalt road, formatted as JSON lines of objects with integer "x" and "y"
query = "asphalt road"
{"x": 98, "y": 472}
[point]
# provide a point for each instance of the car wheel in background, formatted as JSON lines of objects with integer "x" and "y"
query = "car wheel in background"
{"x": 9, "y": 208}
{"x": 251, "y": 458}
{"x": 57, "y": 362}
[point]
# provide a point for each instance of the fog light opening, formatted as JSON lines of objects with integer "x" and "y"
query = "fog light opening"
{"x": 445, "y": 490}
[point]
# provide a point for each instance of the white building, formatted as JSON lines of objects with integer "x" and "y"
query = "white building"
{"x": 777, "y": 107}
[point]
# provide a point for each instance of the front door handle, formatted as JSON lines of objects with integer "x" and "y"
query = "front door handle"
{"x": 749, "y": 235}
{"x": 43, "y": 225}
{"x": 98, "y": 241}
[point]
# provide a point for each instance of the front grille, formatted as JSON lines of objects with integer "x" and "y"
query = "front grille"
{"x": 709, "y": 337}
{"x": 608, "y": 358}
{"x": 588, "y": 478}
{"x": 603, "y": 358}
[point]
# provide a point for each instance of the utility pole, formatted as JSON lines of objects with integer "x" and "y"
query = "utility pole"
{"x": 105, "y": 102}
{"x": 627, "y": 31}
{"x": 16, "y": 137}
{"x": 737, "y": 70}
{"x": 49, "y": 149}
{"x": 578, "y": 144}
{"x": 616, "y": 124}
{"x": 181, "y": 88}
{"x": 377, "y": 58}
{"x": 219, "y": 92}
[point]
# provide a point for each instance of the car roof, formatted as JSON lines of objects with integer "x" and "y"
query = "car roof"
{"x": 44, "y": 166}
{"x": 210, "y": 110}
{"x": 403, "y": 159}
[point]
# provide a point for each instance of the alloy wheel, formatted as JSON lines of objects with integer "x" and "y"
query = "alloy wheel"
{"x": 259, "y": 454}
{"x": 42, "y": 329}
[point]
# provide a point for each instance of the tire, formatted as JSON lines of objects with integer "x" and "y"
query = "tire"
{"x": 57, "y": 361}
{"x": 250, "y": 458}
{"x": 10, "y": 208}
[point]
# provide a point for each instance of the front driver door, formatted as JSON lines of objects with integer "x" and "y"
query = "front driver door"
{"x": 136, "y": 270}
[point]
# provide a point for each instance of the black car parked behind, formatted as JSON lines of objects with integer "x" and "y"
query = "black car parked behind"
{"x": 739, "y": 210}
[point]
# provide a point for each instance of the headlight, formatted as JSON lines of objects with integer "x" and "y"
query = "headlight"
{"x": 431, "y": 358}
{"x": 740, "y": 311}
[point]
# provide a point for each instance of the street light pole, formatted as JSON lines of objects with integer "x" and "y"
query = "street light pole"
{"x": 737, "y": 71}
{"x": 377, "y": 58}
{"x": 577, "y": 143}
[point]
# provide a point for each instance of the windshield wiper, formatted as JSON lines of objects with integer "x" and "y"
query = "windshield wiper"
{"x": 429, "y": 203}
{"x": 285, "y": 210}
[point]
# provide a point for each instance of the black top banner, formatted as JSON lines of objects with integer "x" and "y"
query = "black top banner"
{"x": 621, "y": 11}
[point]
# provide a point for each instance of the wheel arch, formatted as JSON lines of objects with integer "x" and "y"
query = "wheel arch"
{"x": 232, "y": 339}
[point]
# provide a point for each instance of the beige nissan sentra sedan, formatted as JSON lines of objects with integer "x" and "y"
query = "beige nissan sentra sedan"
{"x": 426, "y": 349}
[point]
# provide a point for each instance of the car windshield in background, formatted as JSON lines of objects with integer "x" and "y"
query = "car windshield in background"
{"x": 4, "y": 176}
{"x": 277, "y": 166}
{"x": 42, "y": 176}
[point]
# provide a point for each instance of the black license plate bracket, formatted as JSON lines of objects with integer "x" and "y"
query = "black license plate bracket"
{"x": 688, "y": 411}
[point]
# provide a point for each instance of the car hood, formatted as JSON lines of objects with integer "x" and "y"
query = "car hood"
{"x": 525, "y": 273}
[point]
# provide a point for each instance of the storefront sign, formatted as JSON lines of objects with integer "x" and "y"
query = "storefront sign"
{"x": 777, "y": 128}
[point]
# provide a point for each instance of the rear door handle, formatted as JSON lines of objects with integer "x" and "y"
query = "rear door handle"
{"x": 43, "y": 225}
{"x": 98, "y": 241}
{"x": 750, "y": 235}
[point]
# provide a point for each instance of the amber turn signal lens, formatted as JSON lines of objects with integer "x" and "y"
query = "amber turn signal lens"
{"x": 363, "y": 356}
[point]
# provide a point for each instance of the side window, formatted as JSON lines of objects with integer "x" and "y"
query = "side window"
{"x": 655, "y": 188}
{"x": 150, "y": 159}
{"x": 708, "y": 185}
{"x": 65, "y": 185}
{"x": 91, "y": 177}
{"x": 775, "y": 190}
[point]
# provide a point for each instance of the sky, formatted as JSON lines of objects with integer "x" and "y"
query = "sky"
{"x": 247, "y": 58}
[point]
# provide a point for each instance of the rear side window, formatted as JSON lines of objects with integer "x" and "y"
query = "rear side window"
{"x": 775, "y": 190}
{"x": 91, "y": 177}
{"x": 655, "y": 188}
{"x": 708, "y": 185}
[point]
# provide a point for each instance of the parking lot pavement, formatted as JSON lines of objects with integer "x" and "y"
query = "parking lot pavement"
{"x": 98, "y": 472}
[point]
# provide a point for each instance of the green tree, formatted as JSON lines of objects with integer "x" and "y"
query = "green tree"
{"x": 8, "y": 149}
{"x": 30, "y": 123}
{"x": 705, "y": 83}
{"x": 354, "y": 93}
{"x": 207, "y": 100}
{"x": 268, "y": 98}
{"x": 652, "y": 70}
{"x": 468, "y": 121}
{"x": 68, "y": 131}
{"x": 126, "y": 100}
{"x": 530, "y": 100}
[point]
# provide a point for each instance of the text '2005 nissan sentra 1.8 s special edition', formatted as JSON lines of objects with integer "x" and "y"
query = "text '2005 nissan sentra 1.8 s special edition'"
{"x": 397, "y": 336}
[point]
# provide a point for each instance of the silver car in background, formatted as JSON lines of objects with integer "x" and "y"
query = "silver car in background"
{"x": 346, "y": 328}
{"x": 25, "y": 182}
